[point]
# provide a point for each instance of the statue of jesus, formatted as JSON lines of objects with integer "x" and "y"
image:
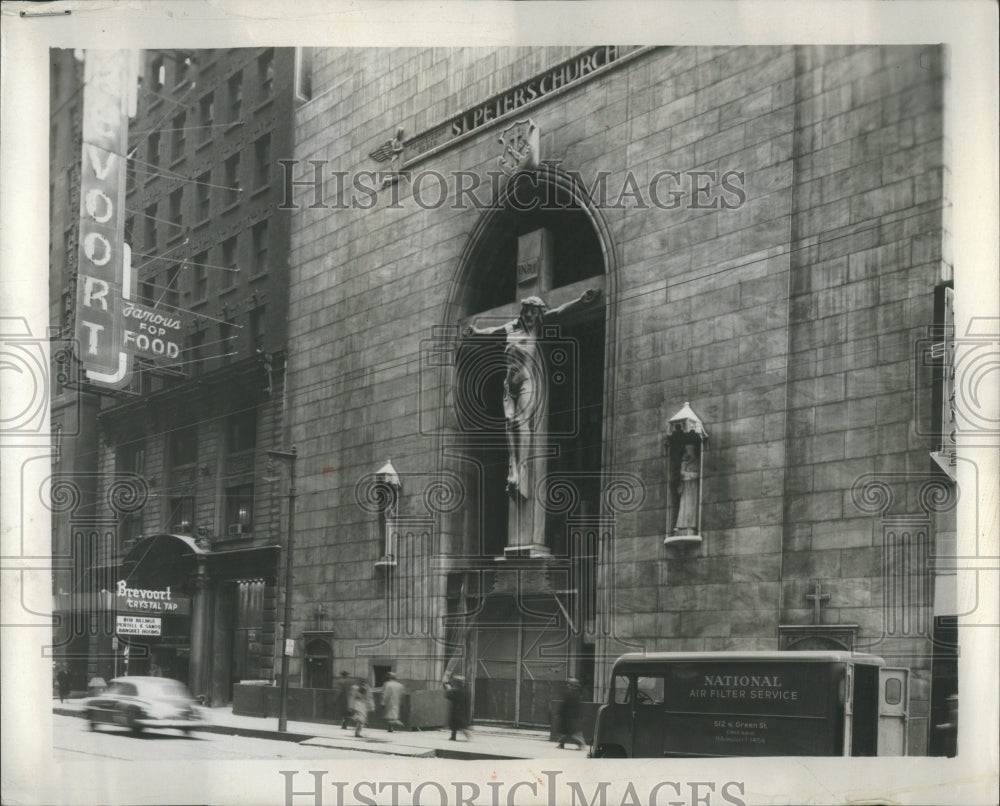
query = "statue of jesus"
{"x": 525, "y": 384}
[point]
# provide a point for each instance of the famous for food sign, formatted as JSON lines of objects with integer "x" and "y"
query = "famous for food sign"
{"x": 111, "y": 327}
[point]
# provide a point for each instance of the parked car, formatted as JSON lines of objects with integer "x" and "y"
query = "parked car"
{"x": 146, "y": 702}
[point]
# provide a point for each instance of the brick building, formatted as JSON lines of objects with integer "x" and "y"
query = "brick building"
{"x": 189, "y": 503}
{"x": 764, "y": 231}
{"x": 73, "y": 412}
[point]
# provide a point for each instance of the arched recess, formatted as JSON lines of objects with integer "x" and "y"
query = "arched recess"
{"x": 513, "y": 673}
{"x": 484, "y": 281}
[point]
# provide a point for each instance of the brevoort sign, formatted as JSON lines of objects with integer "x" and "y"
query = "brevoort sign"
{"x": 145, "y": 600}
{"x": 112, "y": 328}
{"x": 102, "y": 192}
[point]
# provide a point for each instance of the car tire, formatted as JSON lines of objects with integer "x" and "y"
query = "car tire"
{"x": 133, "y": 725}
{"x": 610, "y": 751}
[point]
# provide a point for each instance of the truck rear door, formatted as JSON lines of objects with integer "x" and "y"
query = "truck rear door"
{"x": 893, "y": 685}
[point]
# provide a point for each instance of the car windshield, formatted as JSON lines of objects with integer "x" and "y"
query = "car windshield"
{"x": 155, "y": 688}
{"x": 166, "y": 688}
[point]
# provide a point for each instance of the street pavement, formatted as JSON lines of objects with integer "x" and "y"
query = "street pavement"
{"x": 73, "y": 742}
{"x": 486, "y": 742}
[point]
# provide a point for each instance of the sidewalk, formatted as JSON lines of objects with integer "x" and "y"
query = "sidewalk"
{"x": 487, "y": 742}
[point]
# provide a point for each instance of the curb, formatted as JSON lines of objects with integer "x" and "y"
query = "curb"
{"x": 264, "y": 733}
{"x": 225, "y": 730}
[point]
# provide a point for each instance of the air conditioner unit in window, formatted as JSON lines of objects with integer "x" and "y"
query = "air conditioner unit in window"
{"x": 235, "y": 529}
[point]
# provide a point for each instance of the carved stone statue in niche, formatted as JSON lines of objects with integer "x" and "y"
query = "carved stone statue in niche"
{"x": 687, "y": 489}
{"x": 525, "y": 385}
{"x": 685, "y": 443}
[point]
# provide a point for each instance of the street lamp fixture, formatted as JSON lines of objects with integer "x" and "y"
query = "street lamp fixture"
{"x": 286, "y": 627}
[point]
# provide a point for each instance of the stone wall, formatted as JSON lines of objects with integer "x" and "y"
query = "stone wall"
{"x": 787, "y": 321}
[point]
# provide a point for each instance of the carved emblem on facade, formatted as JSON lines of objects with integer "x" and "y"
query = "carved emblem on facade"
{"x": 390, "y": 151}
{"x": 520, "y": 147}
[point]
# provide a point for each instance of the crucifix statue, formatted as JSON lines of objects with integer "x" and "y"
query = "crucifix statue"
{"x": 525, "y": 392}
{"x": 817, "y": 597}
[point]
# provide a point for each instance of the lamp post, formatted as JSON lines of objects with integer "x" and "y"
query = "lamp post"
{"x": 286, "y": 627}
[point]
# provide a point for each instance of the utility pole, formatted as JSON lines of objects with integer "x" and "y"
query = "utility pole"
{"x": 286, "y": 627}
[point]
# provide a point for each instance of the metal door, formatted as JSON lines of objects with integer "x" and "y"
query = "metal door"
{"x": 649, "y": 716}
{"x": 848, "y": 695}
{"x": 893, "y": 699}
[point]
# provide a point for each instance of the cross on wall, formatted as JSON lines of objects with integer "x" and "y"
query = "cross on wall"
{"x": 817, "y": 597}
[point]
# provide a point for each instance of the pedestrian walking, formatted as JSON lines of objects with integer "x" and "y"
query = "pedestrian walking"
{"x": 392, "y": 699}
{"x": 570, "y": 711}
{"x": 344, "y": 686}
{"x": 362, "y": 705}
{"x": 62, "y": 679}
{"x": 458, "y": 707}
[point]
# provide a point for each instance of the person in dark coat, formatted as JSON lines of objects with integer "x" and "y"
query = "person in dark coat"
{"x": 344, "y": 685}
{"x": 458, "y": 707}
{"x": 570, "y": 712}
{"x": 62, "y": 678}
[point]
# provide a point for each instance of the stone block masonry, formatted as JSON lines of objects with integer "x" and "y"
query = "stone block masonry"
{"x": 785, "y": 319}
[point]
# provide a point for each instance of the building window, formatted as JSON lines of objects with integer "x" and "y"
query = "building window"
{"x": 177, "y": 141}
{"x": 319, "y": 664}
{"x": 195, "y": 356}
{"x": 257, "y": 328}
{"x": 262, "y": 161}
{"x": 235, "y": 97}
{"x": 260, "y": 240}
{"x": 204, "y": 196}
{"x": 241, "y": 431}
{"x": 149, "y": 228}
{"x": 229, "y": 262}
{"x": 303, "y": 74}
{"x": 147, "y": 293}
{"x": 130, "y": 457}
{"x": 265, "y": 70}
{"x": 206, "y": 116}
{"x": 232, "y": 168}
{"x": 158, "y": 70}
{"x": 225, "y": 340}
{"x": 171, "y": 294}
{"x": 239, "y": 510}
{"x": 176, "y": 216}
{"x": 189, "y": 73}
{"x": 184, "y": 445}
{"x": 180, "y": 519}
{"x": 153, "y": 148}
{"x": 248, "y": 648}
{"x": 200, "y": 284}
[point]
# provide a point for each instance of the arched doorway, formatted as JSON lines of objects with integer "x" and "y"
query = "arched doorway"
{"x": 521, "y": 621}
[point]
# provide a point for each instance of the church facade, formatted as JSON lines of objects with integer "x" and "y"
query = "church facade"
{"x": 609, "y": 349}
